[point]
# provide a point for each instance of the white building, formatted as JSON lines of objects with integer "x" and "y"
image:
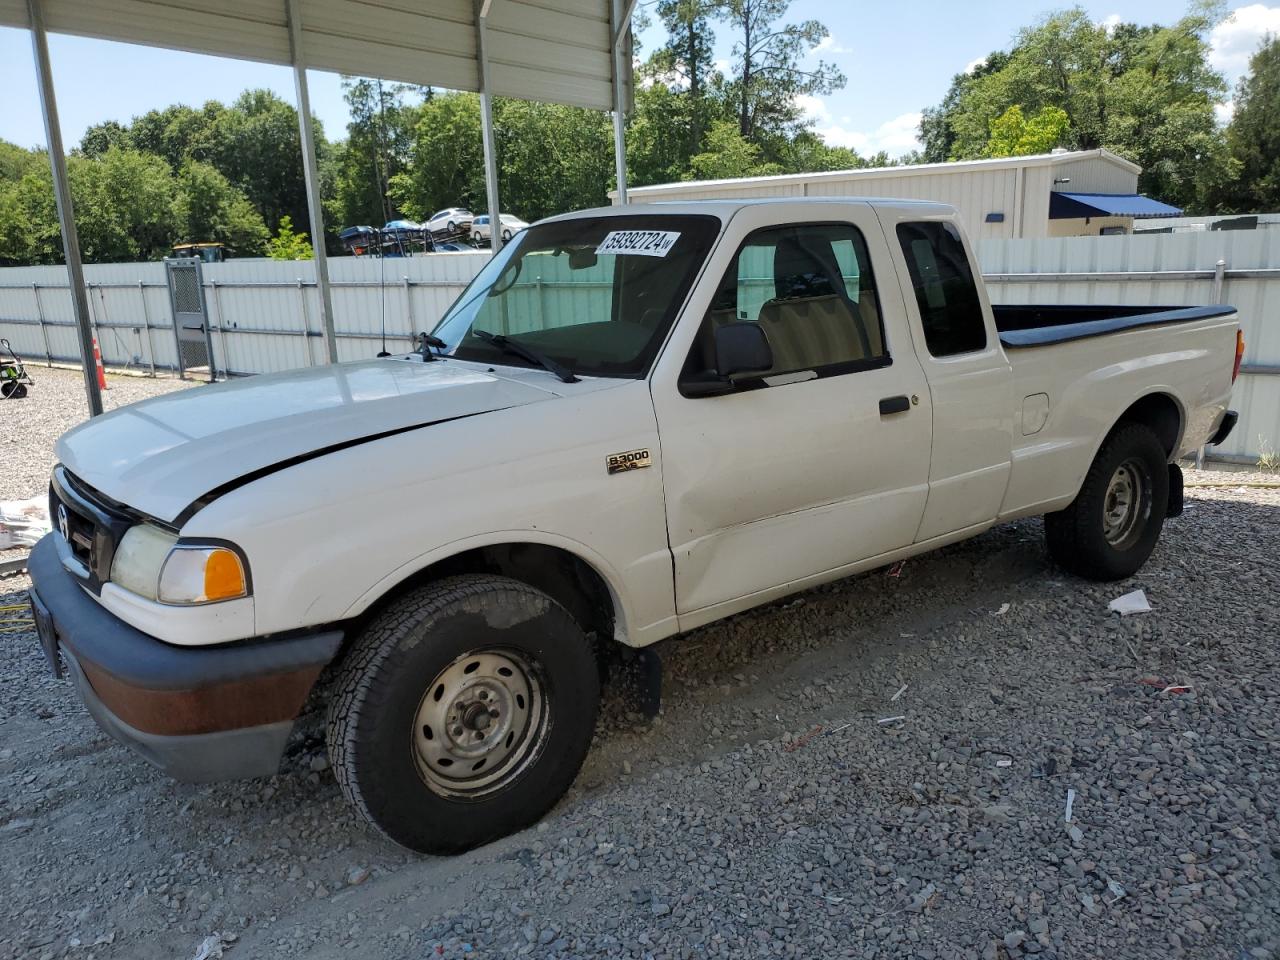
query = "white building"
{"x": 1059, "y": 194}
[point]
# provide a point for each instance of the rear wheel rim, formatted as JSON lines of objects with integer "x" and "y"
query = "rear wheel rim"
{"x": 480, "y": 724}
{"x": 1126, "y": 505}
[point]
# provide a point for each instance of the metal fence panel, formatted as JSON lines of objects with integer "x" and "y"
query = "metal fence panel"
{"x": 265, "y": 314}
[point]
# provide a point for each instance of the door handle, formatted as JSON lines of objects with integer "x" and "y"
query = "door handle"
{"x": 898, "y": 404}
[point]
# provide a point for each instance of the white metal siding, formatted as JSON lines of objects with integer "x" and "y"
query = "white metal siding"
{"x": 1095, "y": 175}
{"x": 264, "y": 295}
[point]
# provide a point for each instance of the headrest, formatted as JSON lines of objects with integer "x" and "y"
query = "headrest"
{"x": 798, "y": 273}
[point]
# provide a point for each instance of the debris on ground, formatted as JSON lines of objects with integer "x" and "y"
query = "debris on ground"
{"x": 1004, "y": 608}
{"x": 901, "y": 690}
{"x": 1130, "y": 603}
{"x": 23, "y": 522}
{"x": 212, "y": 947}
{"x": 1071, "y": 802}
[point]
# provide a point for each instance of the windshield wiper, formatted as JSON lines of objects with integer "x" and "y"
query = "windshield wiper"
{"x": 505, "y": 343}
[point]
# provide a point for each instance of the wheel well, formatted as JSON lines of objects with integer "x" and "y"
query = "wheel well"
{"x": 1160, "y": 413}
{"x": 563, "y": 576}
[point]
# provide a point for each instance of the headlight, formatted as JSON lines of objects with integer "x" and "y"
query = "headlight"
{"x": 140, "y": 557}
{"x": 202, "y": 575}
{"x": 151, "y": 563}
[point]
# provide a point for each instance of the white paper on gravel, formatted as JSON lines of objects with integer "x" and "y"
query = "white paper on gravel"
{"x": 1135, "y": 602}
{"x": 23, "y": 522}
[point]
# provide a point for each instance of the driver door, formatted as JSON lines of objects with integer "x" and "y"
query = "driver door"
{"x": 816, "y": 465}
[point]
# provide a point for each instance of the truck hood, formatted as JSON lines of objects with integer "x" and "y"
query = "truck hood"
{"x": 162, "y": 455}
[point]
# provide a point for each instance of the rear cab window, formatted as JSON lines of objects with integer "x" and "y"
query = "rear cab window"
{"x": 945, "y": 289}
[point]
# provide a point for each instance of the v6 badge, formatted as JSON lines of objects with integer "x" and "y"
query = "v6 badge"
{"x": 631, "y": 460}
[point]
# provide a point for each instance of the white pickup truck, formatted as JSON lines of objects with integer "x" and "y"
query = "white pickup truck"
{"x": 633, "y": 422}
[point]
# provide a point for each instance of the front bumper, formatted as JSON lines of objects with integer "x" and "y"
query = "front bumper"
{"x": 198, "y": 713}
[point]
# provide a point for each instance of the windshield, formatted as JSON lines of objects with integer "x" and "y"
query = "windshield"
{"x": 595, "y": 294}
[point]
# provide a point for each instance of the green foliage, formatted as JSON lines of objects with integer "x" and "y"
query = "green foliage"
{"x": 288, "y": 244}
{"x": 1254, "y": 136}
{"x": 380, "y": 140}
{"x": 446, "y": 161}
{"x": 208, "y": 208}
{"x": 1144, "y": 92}
{"x": 729, "y": 154}
{"x": 768, "y": 73}
{"x": 1013, "y": 135}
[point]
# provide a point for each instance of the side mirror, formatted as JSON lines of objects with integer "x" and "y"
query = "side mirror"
{"x": 742, "y": 348}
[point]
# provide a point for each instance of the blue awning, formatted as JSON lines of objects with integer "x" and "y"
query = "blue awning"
{"x": 1069, "y": 206}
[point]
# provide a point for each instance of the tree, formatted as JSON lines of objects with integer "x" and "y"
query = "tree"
{"x": 1014, "y": 135}
{"x": 686, "y": 58}
{"x": 288, "y": 244}
{"x": 207, "y": 208}
{"x": 380, "y": 139}
{"x": 102, "y": 136}
{"x": 255, "y": 145}
{"x": 446, "y": 162}
{"x": 1144, "y": 92}
{"x": 936, "y": 130}
{"x": 768, "y": 76}
{"x": 728, "y": 154}
{"x": 1254, "y": 135}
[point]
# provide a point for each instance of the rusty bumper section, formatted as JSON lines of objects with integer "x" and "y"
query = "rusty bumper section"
{"x": 198, "y": 713}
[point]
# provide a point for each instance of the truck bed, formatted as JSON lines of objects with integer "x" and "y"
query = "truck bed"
{"x": 1034, "y": 325}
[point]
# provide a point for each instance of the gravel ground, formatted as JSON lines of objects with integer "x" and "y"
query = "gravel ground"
{"x": 767, "y": 811}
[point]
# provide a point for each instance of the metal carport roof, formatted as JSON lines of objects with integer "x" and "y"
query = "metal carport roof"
{"x": 553, "y": 50}
{"x": 576, "y": 52}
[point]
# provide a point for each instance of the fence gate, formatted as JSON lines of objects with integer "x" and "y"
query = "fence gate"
{"x": 190, "y": 315}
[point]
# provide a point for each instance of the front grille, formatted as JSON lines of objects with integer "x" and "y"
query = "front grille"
{"x": 93, "y": 525}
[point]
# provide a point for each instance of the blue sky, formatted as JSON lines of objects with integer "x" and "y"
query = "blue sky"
{"x": 898, "y": 58}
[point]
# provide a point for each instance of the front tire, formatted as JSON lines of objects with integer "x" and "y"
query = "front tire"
{"x": 1110, "y": 529}
{"x": 463, "y": 712}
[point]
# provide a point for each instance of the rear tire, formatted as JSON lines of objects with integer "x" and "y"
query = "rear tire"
{"x": 1110, "y": 529}
{"x": 463, "y": 712}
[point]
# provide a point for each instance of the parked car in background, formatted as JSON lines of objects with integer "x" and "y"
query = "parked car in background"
{"x": 511, "y": 225}
{"x": 449, "y": 221}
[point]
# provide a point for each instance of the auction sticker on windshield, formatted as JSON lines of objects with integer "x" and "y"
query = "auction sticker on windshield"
{"x": 644, "y": 243}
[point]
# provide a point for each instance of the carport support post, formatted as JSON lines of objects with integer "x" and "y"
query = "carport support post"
{"x": 66, "y": 214}
{"x": 311, "y": 174}
{"x": 486, "y": 127}
{"x": 619, "y": 18}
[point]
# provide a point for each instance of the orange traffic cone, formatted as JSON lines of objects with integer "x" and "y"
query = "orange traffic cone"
{"x": 97, "y": 362}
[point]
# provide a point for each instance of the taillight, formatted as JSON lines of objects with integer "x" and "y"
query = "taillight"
{"x": 1235, "y": 371}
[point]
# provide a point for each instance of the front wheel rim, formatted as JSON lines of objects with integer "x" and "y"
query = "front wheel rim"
{"x": 480, "y": 724}
{"x": 1126, "y": 505}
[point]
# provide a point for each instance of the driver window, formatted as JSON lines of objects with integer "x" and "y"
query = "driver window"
{"x": 811, "y": 289}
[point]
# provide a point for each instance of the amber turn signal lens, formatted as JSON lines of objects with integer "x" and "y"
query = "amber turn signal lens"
{"x": 1235, "y": 371}
{"x": 223, "y": 575}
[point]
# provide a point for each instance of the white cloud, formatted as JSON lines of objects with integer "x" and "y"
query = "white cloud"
{"x": 1223, "y": 112}
{"x": 973, "y": 65}
{"x": 895, "y": 137}
{"x": 1236, "y": 39}
{"x": 827, "y": 44}
{"x": 1110, "y": 22}
{"x": 720, "y": 66}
